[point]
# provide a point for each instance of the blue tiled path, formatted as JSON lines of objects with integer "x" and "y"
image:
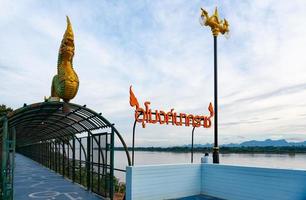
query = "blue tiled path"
{"x": 35, "y": 182}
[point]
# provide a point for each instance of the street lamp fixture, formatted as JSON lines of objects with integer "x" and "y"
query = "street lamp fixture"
{"x": 217, "y": 26}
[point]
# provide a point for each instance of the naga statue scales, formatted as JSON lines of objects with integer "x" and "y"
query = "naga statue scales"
{"x": 65, "y": 83}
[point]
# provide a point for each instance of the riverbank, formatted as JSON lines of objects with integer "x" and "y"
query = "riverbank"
{"x": 224, "y": 150}
{"x": 268, "y": 160}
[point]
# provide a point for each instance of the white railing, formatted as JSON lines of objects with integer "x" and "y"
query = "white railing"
{"x": 223, "y": 181}
{"x": 240, "y": 183}
{"x": 162, "y": 181}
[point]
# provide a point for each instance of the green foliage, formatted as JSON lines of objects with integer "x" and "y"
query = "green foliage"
{"x": 4, "y": 110}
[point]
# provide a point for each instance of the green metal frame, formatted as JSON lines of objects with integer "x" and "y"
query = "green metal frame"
{"x": 53, "y": 137}
{"x": 8, "y": 137}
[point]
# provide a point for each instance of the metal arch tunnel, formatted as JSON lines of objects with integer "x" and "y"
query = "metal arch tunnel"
{"x": 76, "y": 142}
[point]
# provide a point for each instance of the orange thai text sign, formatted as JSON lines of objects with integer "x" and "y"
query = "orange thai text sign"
{"x": 146, "y": 115}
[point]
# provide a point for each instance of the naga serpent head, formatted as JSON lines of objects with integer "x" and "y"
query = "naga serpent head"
{"x": 67, "y": 46}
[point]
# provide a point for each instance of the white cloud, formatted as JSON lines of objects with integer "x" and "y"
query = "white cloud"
{"x": 163, "y": 52}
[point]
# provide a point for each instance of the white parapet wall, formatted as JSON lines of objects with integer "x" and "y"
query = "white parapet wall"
{"x": 162, "y": 181}
{"x": 241, "y": 183}
{"x": 228, "y": 182}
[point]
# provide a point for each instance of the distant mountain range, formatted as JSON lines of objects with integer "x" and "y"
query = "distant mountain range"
{"x": 255, "y": 143}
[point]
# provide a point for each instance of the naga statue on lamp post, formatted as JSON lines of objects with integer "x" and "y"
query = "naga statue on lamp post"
{"x": 217, "y": 26}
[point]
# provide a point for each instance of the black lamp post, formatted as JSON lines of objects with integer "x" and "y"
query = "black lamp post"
{"x": 216, "y": 147}
{"x": 217, "y": 26}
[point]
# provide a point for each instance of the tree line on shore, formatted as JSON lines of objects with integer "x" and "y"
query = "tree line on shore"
{"x": 4, "y": 110}
{"x": 243, "y": 149}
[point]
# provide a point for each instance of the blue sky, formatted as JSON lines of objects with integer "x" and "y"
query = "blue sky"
{"x": 160, "y": 48}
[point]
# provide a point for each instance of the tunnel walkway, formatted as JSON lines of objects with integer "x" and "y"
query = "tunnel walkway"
{"x": 32, "y": 181}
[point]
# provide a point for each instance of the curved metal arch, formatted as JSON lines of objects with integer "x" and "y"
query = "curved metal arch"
{"x": 19, "y": 118}
{"x": 59, "y": 134}
{"x": 73, "y": 135}
{"x": 68, "y": 125}
{"x": 78, "y": 114}
{"x": 32, "y": 119}
{"x": 35, "y": 119}
{"x": 117, "y": 133}
{"x": 32, "y": 112}
{"x": 54, "y": 122}
{"x": 25, "y": 120}
{"x": 15, "y": 116}
{"x": 32, "y": 107}
{"x": 82, "y": 112}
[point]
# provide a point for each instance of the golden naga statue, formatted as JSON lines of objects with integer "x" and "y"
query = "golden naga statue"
{"x": 65, "y": 84}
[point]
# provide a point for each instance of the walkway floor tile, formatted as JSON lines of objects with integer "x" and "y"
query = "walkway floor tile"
{"x": 32, "y": 181}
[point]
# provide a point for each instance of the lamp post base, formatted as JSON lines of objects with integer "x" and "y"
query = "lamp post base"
{"x": 216, "y": 155}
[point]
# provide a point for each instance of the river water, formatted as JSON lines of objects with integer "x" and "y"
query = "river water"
{"x": 284, "y": 161}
